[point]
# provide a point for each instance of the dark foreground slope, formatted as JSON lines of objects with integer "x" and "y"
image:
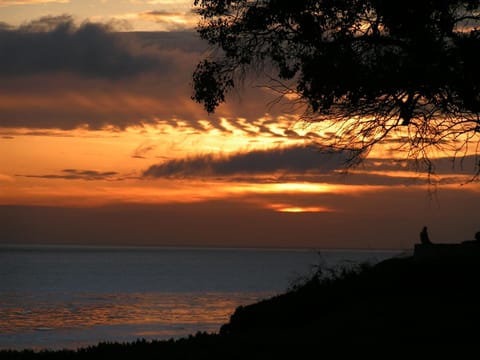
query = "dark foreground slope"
{"x": 399, "y": 304}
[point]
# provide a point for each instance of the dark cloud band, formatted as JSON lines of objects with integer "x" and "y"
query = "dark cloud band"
{"x": 74, "y": 174}
{"x": 296, "y": 159}
{"x": 56, "y": 44}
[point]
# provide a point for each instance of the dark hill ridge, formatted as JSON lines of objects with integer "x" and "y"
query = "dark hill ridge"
{"x": 396, "y": 301}
{"x": 396, "y": 304}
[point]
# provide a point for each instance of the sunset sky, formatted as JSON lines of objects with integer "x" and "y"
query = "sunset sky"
{"x": 100, "y": 143}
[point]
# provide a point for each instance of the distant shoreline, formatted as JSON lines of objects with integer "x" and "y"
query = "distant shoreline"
{"x": 49, "y": 246}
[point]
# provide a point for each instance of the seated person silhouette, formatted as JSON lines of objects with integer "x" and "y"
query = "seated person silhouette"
{"x": 424, "y": 239}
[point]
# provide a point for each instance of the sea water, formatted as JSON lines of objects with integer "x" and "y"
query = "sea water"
{"x": 55, "y": 297}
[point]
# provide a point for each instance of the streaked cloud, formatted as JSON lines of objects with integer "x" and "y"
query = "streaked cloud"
{"x": 439, "y": 170}
{"x": 313, "y": 165}
{"x": 295, "y": 159}
{"x": 75, "y": 174}
{"x": 142, "y": 150}
{"x": 170, "y": 19}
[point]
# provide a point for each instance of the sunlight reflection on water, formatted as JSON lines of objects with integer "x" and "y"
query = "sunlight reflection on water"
{"x": 135, "y": 315}
{"x": 67, "y": 297}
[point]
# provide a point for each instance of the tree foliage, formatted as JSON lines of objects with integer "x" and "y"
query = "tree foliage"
{"x": 372, "y": 68}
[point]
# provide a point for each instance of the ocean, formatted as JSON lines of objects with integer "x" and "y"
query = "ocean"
{"x": 65, "y": 297}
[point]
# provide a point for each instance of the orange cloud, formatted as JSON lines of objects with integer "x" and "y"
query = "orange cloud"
{"x": 171, "y": 20}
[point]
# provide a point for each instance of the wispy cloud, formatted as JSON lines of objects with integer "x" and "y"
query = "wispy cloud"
{"x": 142, "y": 150}
{"x": 75, "y": 174}
{"x": 295, "y": 159}
{"x": 172, "y": 20}
{"x": 314, "y": 165}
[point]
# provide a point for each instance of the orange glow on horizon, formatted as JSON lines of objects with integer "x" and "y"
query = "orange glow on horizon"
{"x": 34, "y": 160}
{"x": 299, "y": 209}
{"x": 92, "y": 193}
{"x": 210, "y": 309}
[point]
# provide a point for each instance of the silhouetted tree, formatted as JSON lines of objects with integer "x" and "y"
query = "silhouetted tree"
{"x": 374, "y": 69}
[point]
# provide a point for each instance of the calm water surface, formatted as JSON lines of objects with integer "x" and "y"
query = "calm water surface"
{"x": 66, "y": 297}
